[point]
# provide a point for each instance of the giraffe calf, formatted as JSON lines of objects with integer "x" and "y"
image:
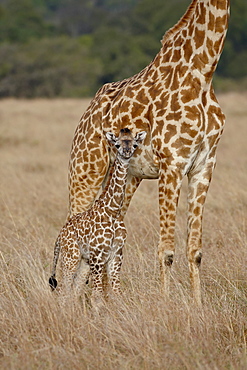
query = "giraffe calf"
{"x": 91, "y": 242}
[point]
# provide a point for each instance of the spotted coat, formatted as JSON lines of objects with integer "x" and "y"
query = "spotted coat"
{"x": 173, "y": 100}
{"x": 91, "y": 242}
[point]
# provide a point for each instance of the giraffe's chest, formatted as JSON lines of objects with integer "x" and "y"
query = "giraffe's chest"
{"x": 97, "y": 230}
{"x": 144, "y": 164}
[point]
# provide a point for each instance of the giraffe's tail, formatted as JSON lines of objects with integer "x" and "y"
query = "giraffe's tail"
{"x": 52, "y": 279}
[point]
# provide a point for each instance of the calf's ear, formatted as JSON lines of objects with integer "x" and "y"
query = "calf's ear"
{"x": 140, "y": 136}
{"x": 111, "y": 137}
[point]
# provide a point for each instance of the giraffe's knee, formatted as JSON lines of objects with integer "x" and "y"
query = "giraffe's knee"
{"x": 166, "y": 257}
{"x": 169, "y": 255}
{"x": 196, "y": 258}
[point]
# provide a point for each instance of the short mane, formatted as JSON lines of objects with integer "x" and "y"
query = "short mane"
{"x": 180, "y": 24}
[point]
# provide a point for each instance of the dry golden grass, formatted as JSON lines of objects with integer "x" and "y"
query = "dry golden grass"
{"x": 141, "y": 330}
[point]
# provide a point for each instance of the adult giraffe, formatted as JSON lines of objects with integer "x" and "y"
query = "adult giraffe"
{"x": 173, "y": 100}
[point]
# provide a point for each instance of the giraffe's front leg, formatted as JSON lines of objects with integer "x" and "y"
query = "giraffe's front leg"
{"x": 131, "y": 186}
{"x": 197, "y": 191}
{"x": 97, "y": 262}
{"x": 115, "y": 262}
{"x": 169, "y": 189}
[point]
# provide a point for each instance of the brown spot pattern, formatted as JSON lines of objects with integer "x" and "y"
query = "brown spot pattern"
{"x": 172, "y": 99}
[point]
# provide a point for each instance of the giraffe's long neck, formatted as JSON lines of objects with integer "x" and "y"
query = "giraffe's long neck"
{"x": 113, "y": 194}
{"x": 198, "y": 38}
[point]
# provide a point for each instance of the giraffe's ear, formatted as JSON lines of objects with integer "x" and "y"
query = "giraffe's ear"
{"x": 140, "y": 136}
{"x": 111, "y": 137}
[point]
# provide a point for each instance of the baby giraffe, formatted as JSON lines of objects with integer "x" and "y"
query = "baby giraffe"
{"x": 94, "y": 239}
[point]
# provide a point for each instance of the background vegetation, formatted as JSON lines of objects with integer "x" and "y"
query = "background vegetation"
{"x": 71, "y": 47}
{"x": 141, "y": 330}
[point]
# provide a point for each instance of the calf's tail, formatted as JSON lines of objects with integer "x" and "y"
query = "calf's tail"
{"x": 52, "y": 279}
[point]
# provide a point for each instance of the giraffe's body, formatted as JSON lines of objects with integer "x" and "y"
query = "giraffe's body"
{"x": 95, "y": 238}
{"x": 173, "y": 100}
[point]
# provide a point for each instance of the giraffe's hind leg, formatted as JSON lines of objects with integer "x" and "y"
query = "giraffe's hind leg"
{"x": 69, "y": 273}
{"x": 81, "y": 284}
{"x": 198, "y": 186}
{"x": 70, "y": 263}
{"x": 82, "y": 276}
{"x": 169, "y": 190}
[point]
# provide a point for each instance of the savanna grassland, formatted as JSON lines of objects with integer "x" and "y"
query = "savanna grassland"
{"x": 141, "y": 330}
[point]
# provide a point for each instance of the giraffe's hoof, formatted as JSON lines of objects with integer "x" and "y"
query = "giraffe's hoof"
{"x": 53, "y": 283}
{"x": 169, "y": 258}
{"x": 198, "y": 258}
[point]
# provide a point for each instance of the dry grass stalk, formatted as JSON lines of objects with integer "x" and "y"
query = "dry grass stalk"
{"x": 141, "y": 330}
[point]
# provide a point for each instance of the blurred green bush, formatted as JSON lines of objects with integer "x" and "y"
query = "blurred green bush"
{"x": 70, "y": 47}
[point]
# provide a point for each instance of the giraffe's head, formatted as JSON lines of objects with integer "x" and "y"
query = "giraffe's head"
{"x": 125, "y": 143}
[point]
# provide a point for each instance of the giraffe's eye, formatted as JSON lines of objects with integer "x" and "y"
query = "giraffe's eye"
{"x": 117, "y": 146}
{"x": 135, "y": 146}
